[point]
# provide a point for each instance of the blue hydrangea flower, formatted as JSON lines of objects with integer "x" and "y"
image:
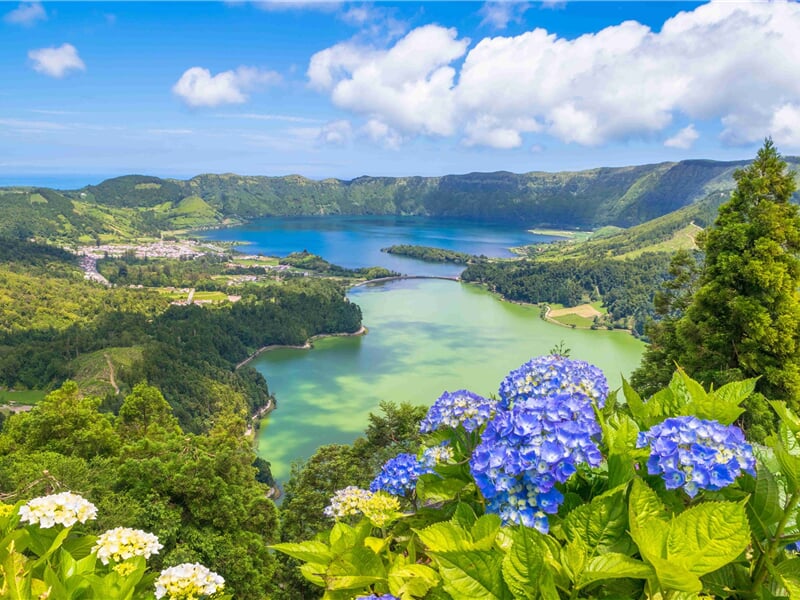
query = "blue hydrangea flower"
{"x": 376, "y": 597}
{"x": 399, "y": 475}
{"x": 436, "y": 455}
{"x": 553, "y": 374}
{"x": 695, "y": 454}
{"x": 795, "y": 547}
{"x": 458, "y": 408}
{"x": 543, "y": 429}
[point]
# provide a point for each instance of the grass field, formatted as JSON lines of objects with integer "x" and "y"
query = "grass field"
{"x": 211, "y": 296}
{"x": 22, "y": 397}
{"x": 573, "y": 319}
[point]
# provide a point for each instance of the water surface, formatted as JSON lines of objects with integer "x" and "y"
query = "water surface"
{"x": 425, "y": 337}
{"x": 357, "y": 241}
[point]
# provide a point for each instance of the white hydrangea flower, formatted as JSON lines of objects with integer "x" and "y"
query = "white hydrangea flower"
{"x": 347, "y": 501}
{"x": 188, "y": 581}
{"x": 122, "y": 543}
{"x": 64, "y": 509}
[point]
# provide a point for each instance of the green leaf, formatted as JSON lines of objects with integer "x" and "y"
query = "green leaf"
{"x": 411, "y": 580}
{"x": 686, "y": 391}
{"x": 573, "y": 557}
{"x": 444, "y": 536}
{"x": 342, "y": 538}
{"x": 464, "y": 515}
{"x": 706, "y": 537}
{"x": 523, "y": 564}
{"x": 599, "y": 524}
{"x": 722, "y": 405}
{"x": 787, "y": 451}
{"x": 313, "y": 572}
{"x": 763, "y": 505}
{"x": 613, "y": 565}
{"x": 635, "y": 404}
{"x": 311, "y": 551}
{"x": 484, "y": 531}
{"x": 472, "y": 575}
{"x": 432, "y": 488}
{"x": 350, "y": 582}
{"x": 787, "y": 416}
{"x": 789, "y": 574}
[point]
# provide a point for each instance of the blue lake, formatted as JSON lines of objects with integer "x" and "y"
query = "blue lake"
{"x": 357, "y": 241}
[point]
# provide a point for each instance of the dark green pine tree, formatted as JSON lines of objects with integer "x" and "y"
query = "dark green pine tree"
{"x": 744, "y": 318}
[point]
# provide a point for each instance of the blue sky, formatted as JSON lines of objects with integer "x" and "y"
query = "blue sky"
{"x": 411, "y": 88}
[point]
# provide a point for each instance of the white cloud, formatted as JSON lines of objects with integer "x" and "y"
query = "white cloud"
{"x": 380, "y": 133}
{"x": 410, "y": 85}
{"x": 684, "y": 139}
{"x": 337, "y": 133}
{"x": 56, "y": 62}
{"x": 26, "y": 14}
{"x": 197, "y": 87}
{"x": 319, "y": 5}
{"x": 734, "y": 63}
{"x": 785, "y": 126}
{"x": 500, "y": 14}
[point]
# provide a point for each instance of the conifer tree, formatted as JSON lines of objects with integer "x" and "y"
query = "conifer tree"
{"x": 744, "y": 318}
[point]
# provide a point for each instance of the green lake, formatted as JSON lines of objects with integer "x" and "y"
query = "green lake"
{"x": 425, "y": 336}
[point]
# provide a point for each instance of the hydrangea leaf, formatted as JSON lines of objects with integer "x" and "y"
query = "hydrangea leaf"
{"x": 686, "y": 391}
{"x": 720, "y": 405}
{"x": 485, "y": 530}
{"x": 413, "y": 580}
{"x": 357, "y": 568}
{"x": 432, "y": 488}
{"x": 342, "y": 538}
{"x": 473, "y": 575}
{"x": 599, "y": 524}
{"x": 446, "y": 536}
{"x": 311, "y": 551}
{"x": 574, "y": 558}
{"x": 613, "y": 565}
{"x": 464, "y": 515}
{"x": 525, "y": 568}
{"x": 787, "y": 451}
{"x": 787, "y": 416}
{"x": 635, "y": 404}
{"x": 313, "y": 572}
{"x": 764, "y": 503}
{"x": 789, "y": 574}
{"x": 706, "y": 537}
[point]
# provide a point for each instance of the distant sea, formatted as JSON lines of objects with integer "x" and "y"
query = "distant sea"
{"x": 59, "y": 182}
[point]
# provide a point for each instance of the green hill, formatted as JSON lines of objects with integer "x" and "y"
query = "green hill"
{"x": 137, "y": 205}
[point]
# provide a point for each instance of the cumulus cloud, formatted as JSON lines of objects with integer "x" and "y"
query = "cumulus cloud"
{"x": 198, "y": 87}
{"x": 734, "y": 63}
{"x": 380, "y": 133}
{"x": 26, "y": 14}
{"x": 337, "y": 133}
{"x": 500, "y": 14}
{"x": 684, "y": 139}
{"x": 56, "y": 62}
{"x": 410, "y": 85}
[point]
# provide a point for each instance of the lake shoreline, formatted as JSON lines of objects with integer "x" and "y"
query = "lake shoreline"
{"x": 307, "y": 346}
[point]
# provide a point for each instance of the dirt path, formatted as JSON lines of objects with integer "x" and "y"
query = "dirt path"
{"x": 111, "y": 378}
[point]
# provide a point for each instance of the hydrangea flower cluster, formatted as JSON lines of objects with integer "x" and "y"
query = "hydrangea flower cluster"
{"x": 697, "y": 454}
{"x": 795, "y": 547}
{"x": 188, "y": 581}
{"x": 436, "y": 455}
{"x": 544, "y": 428}
{"x": 375, "y": 597}
{"x": 346, "y": 502}
{"x": 122, "y": 543}
{"x": 381, "y": 508}
{"x": 553, "y": 374}
{"x": 399, "y": 475}
{"x": 458, "y": 408}
{"x": 64, "y": 509}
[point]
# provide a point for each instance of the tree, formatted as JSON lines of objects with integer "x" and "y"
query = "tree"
{"x": 744, "y": 318}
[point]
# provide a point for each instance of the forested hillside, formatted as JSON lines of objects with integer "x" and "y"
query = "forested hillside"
{"x": 138, "y": 205}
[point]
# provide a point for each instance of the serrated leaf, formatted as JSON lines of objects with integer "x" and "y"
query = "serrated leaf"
{"x": 411, "y": 580}
{"x": 342, "y": 538}
{"x": 613, "y": 565}
{"x": 523, "y": 564}
{"x": 445, "y": 536}
{"x": 686, "y": 390}
{"x": 706, "y": 537}
{"x": 789, "y": 574}
{"x": 311, "y": 551}
{"x": 763, "y": 506}
{"x": 787, "y": 415}
{"x": 573, "y": 556}
{"x": 599, "y": 524}
{"x": 484, "y": 531}
{"x": 721, "y": 405}
{"x": 635, "y": 404}
{"x": 464, "y": 515}
{"x": 313, "y": 572}
{"x": 472, "y": 575}
{"x": 787, "y": 451}
{"x": 350, "y": 582}
{"x": 432, "y": 488}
